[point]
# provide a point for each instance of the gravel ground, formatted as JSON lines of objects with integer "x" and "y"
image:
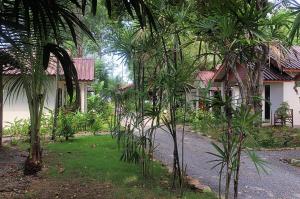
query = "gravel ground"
{"x": 281, "y": 182}
{"x": 13, "y": 183}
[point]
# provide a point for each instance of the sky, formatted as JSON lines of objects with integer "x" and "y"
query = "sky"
{"x": 119, "y": 69}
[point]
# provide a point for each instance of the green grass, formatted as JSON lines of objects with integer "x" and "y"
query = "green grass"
{"x": 98, "y": 158}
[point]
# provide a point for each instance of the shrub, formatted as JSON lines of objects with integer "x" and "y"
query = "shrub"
{"x": 65, "y": 128}
{"x": 205, "y": 121}
{"x": 270, "y": 137}
{"x": 19, "y": 128}
{"x": 282, "y": 111}
{"x": 188, "y": 115}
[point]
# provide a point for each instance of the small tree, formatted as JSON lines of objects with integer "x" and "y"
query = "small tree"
{"x": 65, "y": 127}
{"x": 283, "y": 112}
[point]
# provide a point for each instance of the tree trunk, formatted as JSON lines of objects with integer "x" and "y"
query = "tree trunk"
{"x": 1, "y": 104}
{"x": 36, "y": 97}
{"x": 238, "y": 164}
{"x": 228, "y": 112}
{"x": 33, "y": 163}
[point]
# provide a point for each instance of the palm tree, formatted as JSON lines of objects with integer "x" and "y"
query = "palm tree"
{"x": 238, "y": 30}
{"x": 36, "y": 26}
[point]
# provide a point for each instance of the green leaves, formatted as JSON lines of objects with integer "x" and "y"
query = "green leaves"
{"x": 68, "y": 66}
{"x": 244, "y": 120}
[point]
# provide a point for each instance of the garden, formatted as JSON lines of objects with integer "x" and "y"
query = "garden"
{"x": 261, "y": 137}
{"x": 104, "y": 136}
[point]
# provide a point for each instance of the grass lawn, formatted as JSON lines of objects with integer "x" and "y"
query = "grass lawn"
{"x": 96, "y": 160}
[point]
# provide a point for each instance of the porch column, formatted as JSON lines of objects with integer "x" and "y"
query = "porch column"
{"x": 83, "y": 97}
{"x": 197, "y": 99}
{"x": 222, "y": 93}
{"x": 223, "y": 90}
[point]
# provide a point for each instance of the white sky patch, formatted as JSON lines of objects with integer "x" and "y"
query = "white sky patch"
{"x": 118, "y": 68}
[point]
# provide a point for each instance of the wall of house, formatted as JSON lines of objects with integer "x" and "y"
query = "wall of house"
{"x": 276, "y": 96}
{"x": 293, "y": 99}
{"x": 236, "y": 96}
{"x": 16, "y": 107}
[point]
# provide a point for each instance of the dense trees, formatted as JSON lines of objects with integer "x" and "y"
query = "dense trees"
{"x": 163, "y": 57}
{"x": 203, "y": 34}
{"x": 30, "y": 32}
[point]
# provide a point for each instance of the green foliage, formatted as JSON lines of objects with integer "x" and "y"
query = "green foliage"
{"x": 277, "y": 137}
{"x": 189, "y": 115}
{"x": 97, "y": 158}
{"x": 282, "y": 111}
{"x": 257, "y": 137}
{"x": 71, "y": 123}
{"x": 206, "y": 122}
{"x": 19, "y": 128}
{"x": 64, "y": 125}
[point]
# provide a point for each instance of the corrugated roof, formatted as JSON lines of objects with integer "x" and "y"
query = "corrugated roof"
{"x": 273, "y": 74}
{"x": 289, "y": 61}
{"x": 85, "y": 69}
{"x": 205, "y": 76}
{"x": 270, "y": 73}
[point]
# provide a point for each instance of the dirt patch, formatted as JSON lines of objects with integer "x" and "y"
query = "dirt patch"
{"x": 48, "y": 189}
{"x": 13, "y": 183}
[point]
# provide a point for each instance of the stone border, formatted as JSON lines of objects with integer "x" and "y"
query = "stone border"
{"x": 194, "y": 183}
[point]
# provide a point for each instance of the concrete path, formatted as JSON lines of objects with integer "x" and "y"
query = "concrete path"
{"x": 281, "y": 182}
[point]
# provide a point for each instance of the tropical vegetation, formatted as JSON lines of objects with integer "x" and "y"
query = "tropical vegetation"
{"x": 163, "y": 44}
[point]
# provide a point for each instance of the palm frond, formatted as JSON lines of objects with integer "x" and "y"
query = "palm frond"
{"x": 68, "y": 66}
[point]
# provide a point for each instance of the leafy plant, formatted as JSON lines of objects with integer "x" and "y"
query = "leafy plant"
{"x": 283, "y": 111}
{"x": 18, "y": 129}
{"x": 65, "y": 127}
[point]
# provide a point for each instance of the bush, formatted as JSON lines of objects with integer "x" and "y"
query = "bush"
{"x": 206, "y": 122}
{"x": 19, "y": 128}
{"x": 270, "y": 137}
{"x": 188, "y": 115}
{"x": 65, "y": 128}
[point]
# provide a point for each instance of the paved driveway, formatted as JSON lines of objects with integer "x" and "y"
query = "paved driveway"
{"x": 281, "y": 182}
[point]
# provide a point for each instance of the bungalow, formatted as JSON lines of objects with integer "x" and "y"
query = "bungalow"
{"x": 17, "y": 108}
{"x": 280, "y": 84}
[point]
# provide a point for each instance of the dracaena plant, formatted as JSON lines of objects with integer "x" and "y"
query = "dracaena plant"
{"x": 227, "y": 155}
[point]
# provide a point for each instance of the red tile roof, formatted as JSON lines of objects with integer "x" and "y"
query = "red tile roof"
{"x": 85, "y": 69}
{"x": 205, "y": 76}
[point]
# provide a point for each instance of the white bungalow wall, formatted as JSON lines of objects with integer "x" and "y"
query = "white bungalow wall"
{"x": 284, "y": 92}
{"x": 276, "y": 98}
{"x": 17, "y": 108}
{"x": 279, "y": 92}
{"x": 293, "y": 99}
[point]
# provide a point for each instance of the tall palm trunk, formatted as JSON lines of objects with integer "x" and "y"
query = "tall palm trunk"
{"x": 34, "y": 161}
{"x": 35, "y": 92}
